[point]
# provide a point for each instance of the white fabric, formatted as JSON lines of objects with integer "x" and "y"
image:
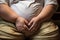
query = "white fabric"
{"x": 2, "y": 1}
{"x": 45, "y": 1}
{"x": 50, "y": 2}
{"x": 22, "y": 8}
{"x": 27, "y": 8}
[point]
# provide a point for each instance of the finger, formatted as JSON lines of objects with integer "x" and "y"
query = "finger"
{"x": 32, "y": 26}
{"x": 26, "y": 21}
{"x": 25, "y": 30}
{"x": 30, "y": 23}
{"x": 26, "y": 27}
{"x": 22, "y": 29}
{"x": 36, "y": 28}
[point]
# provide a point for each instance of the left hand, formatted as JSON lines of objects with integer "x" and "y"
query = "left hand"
{"x": 34, "y": 24}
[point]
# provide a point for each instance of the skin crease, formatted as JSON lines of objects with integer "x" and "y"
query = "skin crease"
{"x": 21, "y": 23}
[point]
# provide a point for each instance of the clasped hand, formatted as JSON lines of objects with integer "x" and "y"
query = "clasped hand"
{"x": 27, "y": 28}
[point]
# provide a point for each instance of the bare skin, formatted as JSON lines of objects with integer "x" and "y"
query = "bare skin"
{"x": 21, "y": 23}
{"x": 45, "y": 14}
{"x": 9, "y": 15}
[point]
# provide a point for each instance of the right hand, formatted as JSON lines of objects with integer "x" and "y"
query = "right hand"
{"x": 21, "y": 24}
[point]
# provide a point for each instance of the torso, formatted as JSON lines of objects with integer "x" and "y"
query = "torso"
{"x": 28, "y": 8}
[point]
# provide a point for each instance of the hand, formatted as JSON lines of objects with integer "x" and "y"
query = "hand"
{"x": 21, "y": 24}
{"x": 34, "y": 24}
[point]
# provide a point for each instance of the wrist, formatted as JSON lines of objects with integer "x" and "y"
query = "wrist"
{"x": 16, "y": 18}
{"x": 39, "y": 19}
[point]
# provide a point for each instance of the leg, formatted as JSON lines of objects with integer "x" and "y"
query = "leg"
{"x": 48, "y": 31}
{"x": 9, "y": 32}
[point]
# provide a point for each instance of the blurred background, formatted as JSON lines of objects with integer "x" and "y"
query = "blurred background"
{"x": 56, "y": 16}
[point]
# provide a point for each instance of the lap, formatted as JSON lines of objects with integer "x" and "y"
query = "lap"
{"x": 48, "y": 31}
{"x": 8, "y": 31}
